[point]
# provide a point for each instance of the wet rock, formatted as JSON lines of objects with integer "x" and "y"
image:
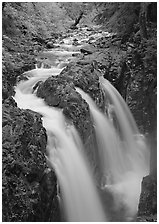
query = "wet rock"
{"x": 91, "y": 38}
{"x": 61, "y": 42}
{"x": 50, "y": 44}
{"x": 90, "y": 29}
{"x": 75, "y": 54}
{"x": 60, "y": 91}
{"x": 107, "y": 40}
{"x": 147, "y": 208}
{"x": 22, "y": 77}
{"x": 29, "y": 187}
{"x": 36, "y": 85}
{"x": 88, "y": 49}
{"x": 84, "y": 76}
{"x": 38, "y": 39}
{"x": 75, "y": 42}
{"x": 109, "y": 61}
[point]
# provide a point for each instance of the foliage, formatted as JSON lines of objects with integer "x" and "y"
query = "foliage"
{"x": 138, "y": 77}
{"x": 35, "y": 18}
{"x": 142, "y": 90}
{"x": 73, "y": 10}
{"x": 118, "y": 17}
{"x": 26, "y": 27}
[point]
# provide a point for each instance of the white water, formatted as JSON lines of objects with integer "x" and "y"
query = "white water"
{"x": 134, "y": 142}
{"x": 64, "y": 151}
{"x": 123, "y": 157}
{"x": 122, "y": 154}
{"x": 35, "y": 75}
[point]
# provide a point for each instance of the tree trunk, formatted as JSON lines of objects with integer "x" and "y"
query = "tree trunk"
{"x": 142, "y": 20}
{"x": 77, "y": 20}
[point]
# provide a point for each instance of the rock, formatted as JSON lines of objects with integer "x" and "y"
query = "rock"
{"x": 84, "y": 76}
{"x": 16, "y": 60}
{"x": 29, "y": 187}
{"x": 50, "y": 45}
{"x": 7, "y": 89}
{"x": 73, "y": 27}
{"x": 148, "y": 199}
{"x": 37, "y": 48}
{"x": 38, "y": 39}
{"x": 88, "y": 49}
{"x": 60, "y": 91}
{"x": 75, "y": 42}
{"x": 22, "y": 77}
{"x": 90, "y": 29}
{"x": 150, "y": 218}
{"x": 91, "y": 38}
{"x": 75, "y": 54}
{"x": 36, "y": 85}
{"x": 61, "y": 42}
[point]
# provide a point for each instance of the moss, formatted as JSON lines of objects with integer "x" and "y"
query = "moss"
{"x": 24, "y": 168}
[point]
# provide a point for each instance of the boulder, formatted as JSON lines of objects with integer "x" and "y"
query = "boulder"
{"x": 84, "y": 76}
{"x": 91, "y": 38}
{"x": 90, "y": 29}
{"x": 60, "y": 92}
{"x": 29, "y": 187}
{"x": 50, "y": 44}
{"x": 88, "y": 49}
{"x": 147, "y": 209}
{"x": 75, "y": 42}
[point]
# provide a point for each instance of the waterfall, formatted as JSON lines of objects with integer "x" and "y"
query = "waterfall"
{"x": 123, "y": 155}
{"x": 121, "y": 152}
{"x": 65, "y": 155}
{"x": 134, "y": 142}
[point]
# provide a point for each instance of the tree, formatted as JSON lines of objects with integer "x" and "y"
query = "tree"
{"x": 142, "y": 20}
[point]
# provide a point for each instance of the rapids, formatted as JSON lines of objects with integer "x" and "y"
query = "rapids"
{"x": 123, "y": 157}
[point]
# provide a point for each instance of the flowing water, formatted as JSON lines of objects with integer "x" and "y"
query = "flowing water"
{"x": 122, "y": 153}
{"x": 65, "y": 154}
{"x": 122, "y": 150}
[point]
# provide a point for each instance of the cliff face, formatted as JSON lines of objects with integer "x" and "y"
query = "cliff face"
{"x": 148, "y": 204}
{"x": 29, "y": 186}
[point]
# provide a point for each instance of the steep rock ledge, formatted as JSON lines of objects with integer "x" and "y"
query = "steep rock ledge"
{"x": 147, "y": 210}
{"x": 29, "y": 186}
{"x": 60, "y": 92}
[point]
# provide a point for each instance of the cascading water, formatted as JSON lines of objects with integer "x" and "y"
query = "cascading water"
{"x": 121, "y": 152}
{"x": 123, "y": 155}
{"x": 80, "y": 198}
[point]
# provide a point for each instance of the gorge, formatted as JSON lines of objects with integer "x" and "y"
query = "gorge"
{"x": 75, "y": 151}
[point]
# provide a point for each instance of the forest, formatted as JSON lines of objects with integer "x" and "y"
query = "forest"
{"x": 52, "y": 52}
